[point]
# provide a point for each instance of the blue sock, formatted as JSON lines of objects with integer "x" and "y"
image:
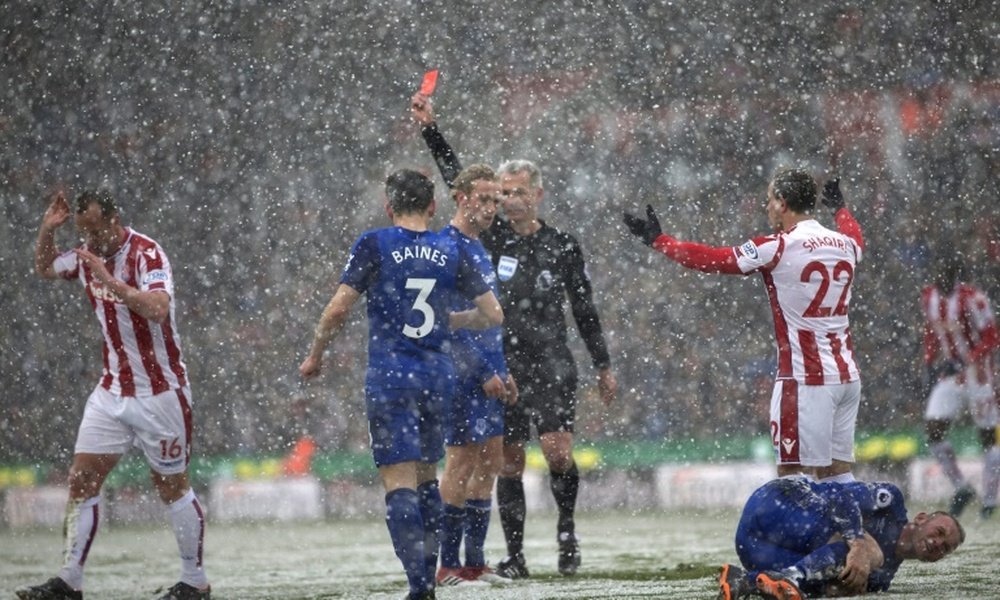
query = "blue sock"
{"x": 406, "y": 528}
{"x": 477, "y": 519}
{"x": 451, "y": 535}
{"x": 432, "y": 510}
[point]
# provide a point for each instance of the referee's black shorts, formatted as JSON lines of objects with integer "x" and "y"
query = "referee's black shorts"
{"x": 546, "y": 397}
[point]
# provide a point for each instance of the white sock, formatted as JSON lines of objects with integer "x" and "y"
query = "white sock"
{"x": 945, "y": 456}
{"x": 991, "y": 476}
{"x": 79, "y": 529}
{"x": 847, "y": 477}
{"x": 188, "y": 521}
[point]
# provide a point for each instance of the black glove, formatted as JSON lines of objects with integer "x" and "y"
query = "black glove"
{"x": 832, "y": 198}
{"x": 647, "y": 229}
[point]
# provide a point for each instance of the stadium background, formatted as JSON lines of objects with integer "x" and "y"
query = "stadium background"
{"x": 252, "y": 140}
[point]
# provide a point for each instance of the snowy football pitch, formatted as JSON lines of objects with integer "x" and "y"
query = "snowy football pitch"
{"x": 670, "y": 555}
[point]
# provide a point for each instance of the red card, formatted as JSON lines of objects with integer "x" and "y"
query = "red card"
{"x": 429, "y": 82}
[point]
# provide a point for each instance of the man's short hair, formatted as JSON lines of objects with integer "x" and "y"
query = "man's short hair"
{"x": 467, "y": 178}
{"x": 961, "y": 530}
{"x": 409, "y": 191}
{"x": 513, "y": 167}
{"x": 797, "y": 188}
{"x": 102, "y": 198}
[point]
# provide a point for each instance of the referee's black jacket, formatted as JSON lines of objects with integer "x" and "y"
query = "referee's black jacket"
{"x": 536, "y": 273}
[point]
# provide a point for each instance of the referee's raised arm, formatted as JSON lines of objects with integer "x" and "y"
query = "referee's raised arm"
{"x": 447, "y": 161}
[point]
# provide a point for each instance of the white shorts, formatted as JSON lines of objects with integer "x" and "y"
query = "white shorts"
{"x": 813, "y": 425}
{"x": 160, "y": 425}
{"x": 948, "y": 396}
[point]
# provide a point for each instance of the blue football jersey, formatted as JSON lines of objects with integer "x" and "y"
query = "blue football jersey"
{"x": 410, "y": 279}
{"x": 477, "y": 353}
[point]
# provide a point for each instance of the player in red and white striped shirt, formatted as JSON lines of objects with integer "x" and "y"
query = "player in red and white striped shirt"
{"x": 143, "y": 398}
{"x": 960, "y": 343}
{"x": 807, "y": 271}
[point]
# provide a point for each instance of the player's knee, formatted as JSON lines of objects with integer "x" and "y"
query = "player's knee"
{"x": 83, "y": 482}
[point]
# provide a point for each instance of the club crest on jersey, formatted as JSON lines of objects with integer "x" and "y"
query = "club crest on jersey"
{"x": 506, "y": 267}
{"x": 749, "y": 249}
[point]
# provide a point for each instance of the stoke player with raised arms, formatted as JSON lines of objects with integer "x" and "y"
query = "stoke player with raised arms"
{"x": 808, "y": 271}
{"x": 143, "y": 397}
{"x": 960, "y": 342}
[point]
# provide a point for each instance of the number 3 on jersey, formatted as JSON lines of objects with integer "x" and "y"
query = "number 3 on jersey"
{"x": 840, "y": 270}
{"x": 423, "y": 287}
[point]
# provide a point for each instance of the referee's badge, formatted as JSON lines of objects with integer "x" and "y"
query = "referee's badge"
{"x": 506, "y": 267}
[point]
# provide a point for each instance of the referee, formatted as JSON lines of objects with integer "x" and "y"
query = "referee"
{"x": 538, "y": 267}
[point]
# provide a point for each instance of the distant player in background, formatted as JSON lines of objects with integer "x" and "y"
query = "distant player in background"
{"x": 143, "y": 398}
{"x": 474, "y": 427}
{"x": 797, "y": 539}
{"x": 410, "y": 275}
{"x": 960, "y": 343}
{"x": 538, "y": 267}
{"x": 808, "y": 271}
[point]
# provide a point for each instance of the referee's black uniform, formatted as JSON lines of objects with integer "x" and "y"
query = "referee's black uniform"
{"x": 537, "y": 273}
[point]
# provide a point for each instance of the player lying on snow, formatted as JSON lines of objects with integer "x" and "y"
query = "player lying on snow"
{"x": 803, "y": 539}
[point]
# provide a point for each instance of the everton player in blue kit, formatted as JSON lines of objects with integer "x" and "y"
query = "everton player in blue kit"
{"x": 410, "y": 275}
{"x": 474, "y": 427}
{"x": 798, "y": 538}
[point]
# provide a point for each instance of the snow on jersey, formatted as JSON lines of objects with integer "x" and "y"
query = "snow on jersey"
{"x": 141, "y": 357}
{"x": 960, "y": 327}
{"x": 808, "y": 271}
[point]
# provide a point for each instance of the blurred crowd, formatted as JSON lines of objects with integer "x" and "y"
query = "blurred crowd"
{"x": 252, "y": 139}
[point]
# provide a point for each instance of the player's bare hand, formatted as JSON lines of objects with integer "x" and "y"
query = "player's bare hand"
{"x": 421, "y": 109}
{"x": 310, "y": 367}
{"x": 512, "y": 392}
{"x": 863, "y": 555}
{"x": 494, "y": 387}
{"x": 57, "y": 213}
{"x": 95, "y": 264}
{"x": 607, "y": 385}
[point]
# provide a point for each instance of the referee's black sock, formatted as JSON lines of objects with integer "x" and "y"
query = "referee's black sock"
{"x": 565, "y": 487}
{"x": 510, "y": 505}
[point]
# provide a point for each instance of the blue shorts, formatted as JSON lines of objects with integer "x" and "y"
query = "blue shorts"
{"x": 472, "y": 417}
{"x": 405, "y": 425}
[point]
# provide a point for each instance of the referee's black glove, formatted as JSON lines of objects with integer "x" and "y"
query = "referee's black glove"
{"x": 832, "y": 198}
{"x": 647, "y": 229}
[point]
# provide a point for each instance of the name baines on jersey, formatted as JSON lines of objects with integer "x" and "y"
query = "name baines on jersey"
{"x": 141, "y": 357}
{"x": 410, "y": 278}
{"x": 808, "y": 271}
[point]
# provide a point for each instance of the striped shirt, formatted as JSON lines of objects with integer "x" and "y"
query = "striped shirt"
{"x": 141, "y": 357}
{"x": 808, "y": 271}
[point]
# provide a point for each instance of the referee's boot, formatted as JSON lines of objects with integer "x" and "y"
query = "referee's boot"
{"x": 569, "y": 554}
{"x": 513, "y": 567}
{"x": 53, "y": 589}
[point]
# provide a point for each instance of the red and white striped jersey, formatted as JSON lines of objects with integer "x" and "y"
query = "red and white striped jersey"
{"x": 960, "y": 326}
{"x": 141, "y": 357}
{"x": 808, "y": 271}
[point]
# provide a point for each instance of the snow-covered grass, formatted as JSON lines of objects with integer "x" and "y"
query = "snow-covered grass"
{"x": 645, "y": 555}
